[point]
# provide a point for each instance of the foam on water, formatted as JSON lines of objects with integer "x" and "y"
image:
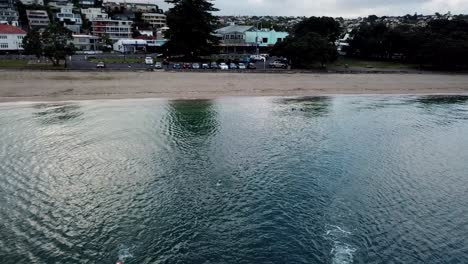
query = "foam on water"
{"x": 342, "y": 251}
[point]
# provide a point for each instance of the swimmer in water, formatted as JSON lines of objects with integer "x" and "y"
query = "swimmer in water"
{"x": 119, "y": 262}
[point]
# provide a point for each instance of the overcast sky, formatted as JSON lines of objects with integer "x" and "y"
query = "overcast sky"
{"x": 344, "y": 8}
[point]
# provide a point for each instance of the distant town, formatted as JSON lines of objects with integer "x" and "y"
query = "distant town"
{"x": 128, "y": 27}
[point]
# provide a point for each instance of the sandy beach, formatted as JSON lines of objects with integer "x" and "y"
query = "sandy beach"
{"x": 57, "y": 86}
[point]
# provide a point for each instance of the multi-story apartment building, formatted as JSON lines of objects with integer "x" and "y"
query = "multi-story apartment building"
{"x": 69, "y": 19}
{"x": 11, "y": 38}
{"x": 8, "y": 13}
{"x": 32, "y": 2}
{"x": 9, "y": 17}
{"x": 156, "y": 20}
{"x": 37, "y": 19}
{"x": 94, "y": 13}
{"x": 114, "y": 29}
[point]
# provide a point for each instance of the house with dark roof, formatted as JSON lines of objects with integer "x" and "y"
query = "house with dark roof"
{"x": 236, "y": 38}
{"x": 11, "y": 38}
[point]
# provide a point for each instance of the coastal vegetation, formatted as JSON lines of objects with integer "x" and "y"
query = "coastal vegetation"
{"x": 191, "y": 24}
{"x": 311, "y": 41}
{"x": 53, "y": 43}
{"x": 441, "y": 44}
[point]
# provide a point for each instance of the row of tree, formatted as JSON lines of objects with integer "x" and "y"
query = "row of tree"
{"x": 441, "y": 44}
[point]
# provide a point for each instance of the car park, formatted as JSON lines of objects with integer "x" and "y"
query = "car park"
{"x": 177, "y": 66}
{"x": 214, "y": 65}
{"x": 187, "y": 66}
{"x": 158, "y": 66}
{"x": 101, "y": 65}
{"x": 232, "y": 66}
{"x": 196, "y": 66}
{"x": 205, "y": 66}
{"x": 241, "y": 66}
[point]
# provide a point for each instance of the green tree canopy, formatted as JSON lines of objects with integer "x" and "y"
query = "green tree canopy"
{"x": 191, "y": 26}
{"x": 312, "y": 41}
{"x": 54, "y": 43}
{"x": 441, "y": 44}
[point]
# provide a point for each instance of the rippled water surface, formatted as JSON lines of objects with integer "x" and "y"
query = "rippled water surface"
{"x": 245, "y": 180}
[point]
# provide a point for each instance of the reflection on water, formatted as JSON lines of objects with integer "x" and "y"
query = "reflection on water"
{"x": 442, "y": 99}
{"x": 194, "y": 118}
{"x": 57, "y": 113}
{"x": 311, "y": 106}
{"x": 239, "y": 180}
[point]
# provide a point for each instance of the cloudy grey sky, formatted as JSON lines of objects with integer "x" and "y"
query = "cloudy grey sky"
{"x": 345, "y": 8}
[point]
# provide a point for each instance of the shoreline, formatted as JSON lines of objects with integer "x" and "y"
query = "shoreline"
{"x": 34, "y": 86}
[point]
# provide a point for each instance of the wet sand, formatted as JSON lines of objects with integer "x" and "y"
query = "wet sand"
{"x": 58, "y": 86}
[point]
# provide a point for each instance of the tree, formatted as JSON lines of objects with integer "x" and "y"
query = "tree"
{"x": 32, "y": 44}
{"x": 312, "y": 41}
{"x": 305, "y": 50}
{"x": 191, "y": 26}
{"x": 53, "y": 43}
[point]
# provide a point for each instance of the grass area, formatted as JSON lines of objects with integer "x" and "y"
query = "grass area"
{"x": 351, "y": 62}
{"x": 13, "y": 63}
{"x": 119, "y": 60}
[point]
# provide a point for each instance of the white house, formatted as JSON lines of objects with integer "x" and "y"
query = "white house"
{"x": 93, "y": 13}
{"x": 11, "y": 38}
{"x": 129, "y": 45}
{"x": 69, "y": 19}
{"x": 85, "y": 42}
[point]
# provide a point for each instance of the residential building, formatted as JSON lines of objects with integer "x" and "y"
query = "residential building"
{"x": 37, "y": 19}
{"x": 87, "y": 3}
{"x": 59, "y": 4}
{"x": 144, "y": 8}
{"x": 11, "y": 38}
{"x": 235, "y": 38}
{"x": 69, "y": 19}
{"x": 9, "y": 17}
{"x": 32, "y": 2}
{"x": 94, "y": 13}
{"x": 265, "y": 37}
{"x": 129, "y": 45}
{"x": 114, "y": 29}
{"x": 233, "y": 35}
{"x": 7, "y": 4}
{"x": 156, "y": 20}
{"x": 85, "y": 42}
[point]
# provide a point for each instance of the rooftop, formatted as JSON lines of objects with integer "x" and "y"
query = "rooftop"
{"x": 7, "y": 29}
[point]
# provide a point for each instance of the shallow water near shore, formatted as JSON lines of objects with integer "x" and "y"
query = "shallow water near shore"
{"x": 374, "y": 179}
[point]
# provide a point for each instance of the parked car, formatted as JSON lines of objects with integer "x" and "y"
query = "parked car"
{"x": 278, "y": 64}
{"x": 256, "y": 58}
{"x": 214, "y": 65}
{"x": 187, "y": 66}
{"x": 101, "y": 65}
{"x": 251, "y": 66}
{"x": 241, "y": 66}
{"x": 177, "y": 66}
{"x": 158, "y": 66}
{"x": 196, "y": 66}
{"x": 232, "y": 66}
{"x": 149, "y": 61}
{"x": 205, "y": 66}
{"x": 223, "y": 66}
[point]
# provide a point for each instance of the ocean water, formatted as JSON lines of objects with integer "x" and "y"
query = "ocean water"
{"x": 372, "y": 179}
